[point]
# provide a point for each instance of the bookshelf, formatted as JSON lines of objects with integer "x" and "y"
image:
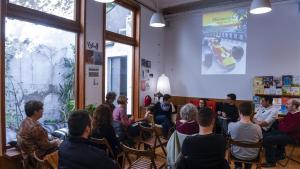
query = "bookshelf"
{"x": 278, "y": 96}
{"x": 280, "y": 88}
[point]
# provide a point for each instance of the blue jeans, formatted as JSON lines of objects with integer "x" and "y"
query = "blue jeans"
{"x": 165, "y": 122}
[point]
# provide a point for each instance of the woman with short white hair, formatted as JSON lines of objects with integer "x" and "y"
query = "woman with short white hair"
{"x": 187, "y": 124}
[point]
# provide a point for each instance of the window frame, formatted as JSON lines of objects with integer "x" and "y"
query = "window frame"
{"x": 76, "y": 26}
{"x": 133, "y": 41}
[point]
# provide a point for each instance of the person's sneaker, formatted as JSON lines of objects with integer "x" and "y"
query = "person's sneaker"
{"x": 268, "y": 165}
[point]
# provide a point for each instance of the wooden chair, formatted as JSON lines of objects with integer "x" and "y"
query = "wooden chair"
{"x": 50, "y": 161}
{"x": 156, "y": 138}
{"x": 109, "y": 150}
{"x": 145, "y": 159}
{"x": 290, "y": 155}
{"x": 258, "y": 145}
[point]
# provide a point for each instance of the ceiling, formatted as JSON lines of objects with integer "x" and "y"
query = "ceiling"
{"x": 177, "y": 6}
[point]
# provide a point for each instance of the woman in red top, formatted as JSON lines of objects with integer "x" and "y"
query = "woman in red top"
{"x": 187, "y": 124}
{"x": 288, "y": 133}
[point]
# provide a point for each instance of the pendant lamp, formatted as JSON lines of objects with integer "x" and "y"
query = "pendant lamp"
{"x": 260, "y": 6}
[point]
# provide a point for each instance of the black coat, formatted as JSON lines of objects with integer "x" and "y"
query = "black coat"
{"x": 79, "y": 153}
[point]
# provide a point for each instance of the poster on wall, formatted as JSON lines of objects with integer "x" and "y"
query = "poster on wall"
{"x": 145, "y": 75}
{"x": 93, "y": 84}
{"x": 224, "y": 42}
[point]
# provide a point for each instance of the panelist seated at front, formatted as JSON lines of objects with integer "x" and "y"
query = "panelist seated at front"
{"x": 266, "y": 114}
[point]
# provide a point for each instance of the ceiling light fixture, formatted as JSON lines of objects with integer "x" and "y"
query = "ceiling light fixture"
{"x": 104, "y": 1}
{"x": 157, "y": 19}
{"x": 260, "y": 6}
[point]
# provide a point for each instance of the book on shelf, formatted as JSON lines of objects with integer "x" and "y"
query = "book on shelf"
{"x": 286, "y": 90}
{"x": 287, "y": 80}
{"x": 259, "y": 90}
{"x": 295, "y": 91}
{"x": 268, "y": 81}
{"x": 278, "y": 82}
{"x": 296, "y": 81}
{"x": 277, "y": 101}
{"x": 279, "y": 91}
{"x": 258, "y": 81}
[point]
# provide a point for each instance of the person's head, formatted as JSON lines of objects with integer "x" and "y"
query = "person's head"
{"x": 293, "y": 105}
{"x": 111, "y": 97}
{"x": 231, "y": 98}
{"x": 202, "y": 103}
{"x": 205, "y": 117}
{"x": 245, "y": 109}
{"x": 167, "y": 98}
{"x": 122, "y": 100}
{"x": 266, "y": 101}
{"x": 34, "y": 109}
{"x": 79, "y": 124}
{"x": 102, "y": 116}
{"x": 188, "y": 112}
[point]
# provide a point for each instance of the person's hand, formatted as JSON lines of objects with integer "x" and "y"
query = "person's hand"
{"x": 223, "y": 114}
{"x": 147, "y": 114}
{"x": 131, "y": 118}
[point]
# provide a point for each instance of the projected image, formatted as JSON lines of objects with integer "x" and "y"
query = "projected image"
{"x": 224, "y": 42}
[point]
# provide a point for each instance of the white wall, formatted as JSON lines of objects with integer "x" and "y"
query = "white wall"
{"x": 94, "y": 33}
{"x": 273, "y": 49}
{"x": 152, "y": 45}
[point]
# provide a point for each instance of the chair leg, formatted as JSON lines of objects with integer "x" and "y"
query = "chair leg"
{"x": 288, "y": 158}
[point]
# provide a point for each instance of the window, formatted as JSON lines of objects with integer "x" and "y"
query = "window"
{"x": 121, "y": 52}
{"x": 38, "y": 66}
{"x": 43, "y": 60}
{"x": 62, "y": 8}
{"x": 119, "y": 70}
{"x": 119, "y": 19}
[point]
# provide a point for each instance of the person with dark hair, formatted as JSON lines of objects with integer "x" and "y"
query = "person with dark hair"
{"x": 244, "y": 131}
{"x": 162, "y": 113}
{"x": 77, "y": 152}
{"x": 103, "y": 128}
{"x": 110, "y": 98}
{"x": 287, "y": 132}
{"x": 229, "y": 113}
{"x": 230, "y": 110}
{"x": 266, "y": 114}
{"x": 205, "y": 150}
{"x": 32, "y": 137}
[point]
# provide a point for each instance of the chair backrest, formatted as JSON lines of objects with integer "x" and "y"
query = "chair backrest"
{"x": 258, "y": 145}
{"x": 212, "y": 105}
{"x": 50, "y": 160}
{"x": 245, "y": 144}
{"x": 150, "y": 119}
{"x": 139, "y": 153}
{"x": 104, "y": 143}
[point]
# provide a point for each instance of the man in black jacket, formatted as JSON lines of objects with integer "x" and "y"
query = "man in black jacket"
{"x": 77, "y": 152}
{"x": 205, "y": 150}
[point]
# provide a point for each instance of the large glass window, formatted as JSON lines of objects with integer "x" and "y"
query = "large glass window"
{"x": 119, "y": 19}
{"x": 118, "y": 76}
{"x": 39, "y": 65}
{"x": 62, "y": 8}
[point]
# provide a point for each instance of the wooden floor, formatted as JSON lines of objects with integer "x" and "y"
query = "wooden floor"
{"x": 291, "y": 164}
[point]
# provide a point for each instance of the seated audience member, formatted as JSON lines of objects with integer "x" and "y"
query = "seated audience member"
{"x": 244, "y": 131}
{"x": 266, "y": 115}
{"x": 102, "y": 127}
{"x": 77, "y": 152}
{"x": 162, "y": 113}
{"x": 205, "y": 150}
{"x": 120, "y": 115}
{"x": 32, "y": 137}
{"x": 110, "y": 98}
{"x": 187, "y": 125}
{"x": 288, "y": 132}
{"x": 202, "y": 103}
{"x": 228, "y": 114}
